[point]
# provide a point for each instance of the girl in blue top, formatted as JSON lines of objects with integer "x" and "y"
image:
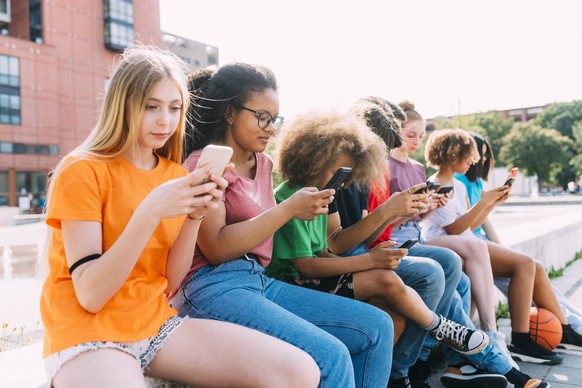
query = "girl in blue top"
{"x": 568, "y": 315}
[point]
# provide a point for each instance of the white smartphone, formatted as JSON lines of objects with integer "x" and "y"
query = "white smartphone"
{"x": 219, "y": 156}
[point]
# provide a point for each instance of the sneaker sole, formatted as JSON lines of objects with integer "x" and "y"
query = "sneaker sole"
{"x": 534, "y": 360}
{"x": 569, "y": 347}
{"x": 451, "y": 380}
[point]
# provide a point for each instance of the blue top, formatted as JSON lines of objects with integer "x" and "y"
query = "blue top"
{"x": 474, "y": 191}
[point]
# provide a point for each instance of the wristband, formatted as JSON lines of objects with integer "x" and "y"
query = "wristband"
{"x": 196, "y": 218}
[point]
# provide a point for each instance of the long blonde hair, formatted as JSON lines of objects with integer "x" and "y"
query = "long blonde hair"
{"x": 138, "y": 71}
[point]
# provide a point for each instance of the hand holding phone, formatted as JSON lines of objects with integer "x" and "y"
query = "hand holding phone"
{"x": 339, "y": 177}
{"x": 219, "y": 156}
{"x": 444, "y": 189}
{"x": 511, "y": 177}
{"x": 408, "y": 243}
{"x": 429, "y": 186}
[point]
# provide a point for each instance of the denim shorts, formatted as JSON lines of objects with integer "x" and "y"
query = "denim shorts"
{"x": 143, "y": 350}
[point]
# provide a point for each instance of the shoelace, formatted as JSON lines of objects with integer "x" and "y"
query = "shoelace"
{"x": 451, "y": 330}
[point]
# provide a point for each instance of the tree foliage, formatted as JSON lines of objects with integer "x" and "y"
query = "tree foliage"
{"x": 561, "y": 117}
{"x": 576, "y": 161}
{"x": 537, "y": 151}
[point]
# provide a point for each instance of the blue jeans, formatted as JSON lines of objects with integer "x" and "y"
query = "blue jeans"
{"x": 450, "y": 263}
{"x": 490, "y": 359}
{"x": 406, "y": 231}
{"x": 350, "y": 341}
{"x": 426, "y": 277}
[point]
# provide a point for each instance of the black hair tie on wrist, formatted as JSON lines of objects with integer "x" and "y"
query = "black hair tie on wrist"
{"x": 83, "y": 261}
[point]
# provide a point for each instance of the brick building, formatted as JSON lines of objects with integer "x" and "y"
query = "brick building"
{"x": 55, "y": 58}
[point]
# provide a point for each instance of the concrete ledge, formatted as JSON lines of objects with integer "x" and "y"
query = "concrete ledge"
{"x": 553, "y": 240}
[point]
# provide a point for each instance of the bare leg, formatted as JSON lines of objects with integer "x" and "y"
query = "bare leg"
{"x": 544, "y": 295}
{"x": 387, "y": 286}
{"x": 398, "y": 320}
{"x": 478, "y": 268}
{"x": 219, "y": 354}
{"x": 521, "y": 270}
{"x": 101, "y": 368}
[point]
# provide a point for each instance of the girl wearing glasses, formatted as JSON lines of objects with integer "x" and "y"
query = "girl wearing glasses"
{"x": 238, "y": 106}
{"x": 124, "y": 216}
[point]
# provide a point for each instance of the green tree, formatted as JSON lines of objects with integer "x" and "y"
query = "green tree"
{"x": 561, "y": 117}
{"x": 576, "y": 161}
{"x": 537, "y": 151}
{"x": 494, "y": 126}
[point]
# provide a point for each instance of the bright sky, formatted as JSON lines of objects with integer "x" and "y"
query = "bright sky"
{"x": 446, "y": 56}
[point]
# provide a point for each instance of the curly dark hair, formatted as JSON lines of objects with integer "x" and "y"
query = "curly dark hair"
{"x": 383, "y": 117}
{"x": 448, "y": 146}
{"x": 214, "y": 93}
{"x": 312, "y": 143}
{"x": 480, "y": 170}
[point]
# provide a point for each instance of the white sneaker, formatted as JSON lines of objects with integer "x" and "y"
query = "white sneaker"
{"x": 498, "y": 338}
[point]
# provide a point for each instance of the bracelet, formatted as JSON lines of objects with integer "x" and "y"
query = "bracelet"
{"x": 196, "y": 218}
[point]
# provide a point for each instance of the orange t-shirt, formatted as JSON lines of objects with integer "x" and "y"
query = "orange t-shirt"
{"x": 108, "y": 192}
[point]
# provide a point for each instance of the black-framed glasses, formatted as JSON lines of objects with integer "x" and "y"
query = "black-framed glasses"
{"x": 264, "y": 118}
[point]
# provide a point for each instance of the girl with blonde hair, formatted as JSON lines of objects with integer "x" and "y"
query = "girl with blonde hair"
{"x": 124, "y": 217}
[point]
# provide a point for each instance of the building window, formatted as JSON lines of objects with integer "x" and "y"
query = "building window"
{"x": 28, "y": 149}
{"x": 9, "y": 90}
{"x": 119, "y": 21}
{"x": 35, "y": 21}
{"x": 4, "y": 189}
{"x": 33, "y": 185}
{"x": 5, "y": 11}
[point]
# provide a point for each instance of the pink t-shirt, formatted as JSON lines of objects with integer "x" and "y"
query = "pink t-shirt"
{"x": 405, "y": 175}
{"x": 244, "y": 199}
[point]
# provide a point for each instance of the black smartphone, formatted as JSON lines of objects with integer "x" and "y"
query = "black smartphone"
{"x": 432, "y": 185}
{"x": 339, "y": 177}
{"x": 444, "y": 189}
{"x": 408, "y": 243}
{"x": 429, "y": 186}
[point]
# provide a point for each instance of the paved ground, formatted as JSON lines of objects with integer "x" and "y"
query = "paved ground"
{"x": 21, "y": 365}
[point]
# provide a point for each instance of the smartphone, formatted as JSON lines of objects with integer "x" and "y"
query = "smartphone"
{"x": 429, "y": 186}
{"x": 444, "y": 189}
{"x": 511, "y": 177}
{"x": 432, "y": 185}
{"x": 219, "y": 156}
{"x": 408, "y": 243}
{"x": 339, "y": 177}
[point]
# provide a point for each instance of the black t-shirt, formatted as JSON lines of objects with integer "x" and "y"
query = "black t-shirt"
{"x": 350, "y": 202}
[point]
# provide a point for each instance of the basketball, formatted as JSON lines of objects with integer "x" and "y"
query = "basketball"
{"x": 544, "y": 328}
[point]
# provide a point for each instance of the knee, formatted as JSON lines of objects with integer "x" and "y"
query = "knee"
{"x": 528, "y": 264}
{"x": 302, "y": 372}
{"x": 390, "y": 285}
{"x": 539, "y": 268}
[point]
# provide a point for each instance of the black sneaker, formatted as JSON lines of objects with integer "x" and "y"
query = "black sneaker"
{"x": 536, "y": 355}
{"x": 467, "y": 375}
{"x": 459, "y": 337}
{"x": 419, "y": 373}
{"x": 402, "y": 382}
{"x": 570, "y": 339}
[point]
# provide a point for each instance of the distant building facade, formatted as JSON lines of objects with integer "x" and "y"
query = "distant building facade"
{"x": 55, "y": 59}
{"x": 518, "y": 114}
{"x": 197, "y": 55}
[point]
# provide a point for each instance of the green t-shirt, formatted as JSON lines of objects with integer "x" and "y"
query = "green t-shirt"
{"x": 295, "y": 239}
